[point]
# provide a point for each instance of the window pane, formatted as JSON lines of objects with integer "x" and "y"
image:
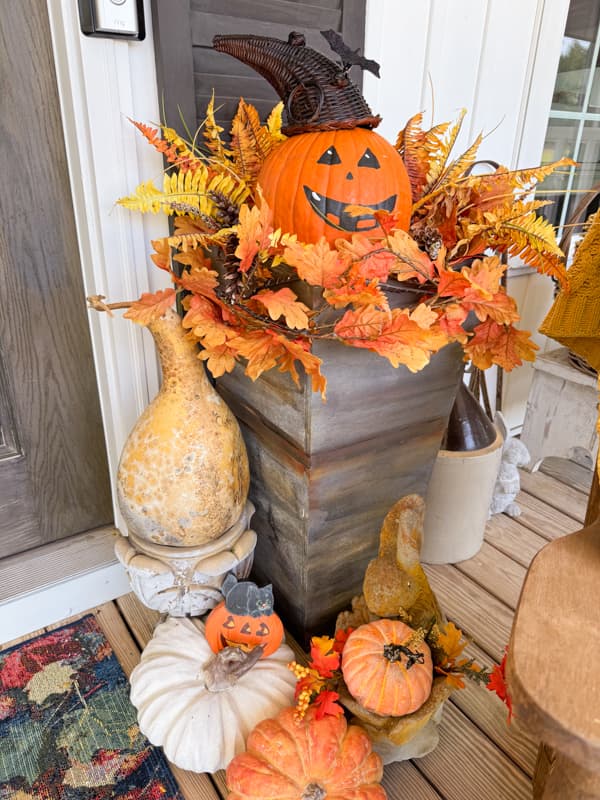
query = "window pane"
{"x": 560, "y": 140}
{"x": 577, "y": 53}
{"x": 594, "y": 101}
{"x": 587, "y": 173}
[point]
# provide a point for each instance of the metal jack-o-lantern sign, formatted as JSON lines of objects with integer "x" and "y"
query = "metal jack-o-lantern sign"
{"x": 332, "y": 158}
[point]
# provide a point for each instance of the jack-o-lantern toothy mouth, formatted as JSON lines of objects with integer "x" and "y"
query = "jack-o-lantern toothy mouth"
{"x": 246, "y": 647}
{"x": 333, "y": 212}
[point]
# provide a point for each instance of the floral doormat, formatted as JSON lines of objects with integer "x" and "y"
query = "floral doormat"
{"x": 67, "y": 728}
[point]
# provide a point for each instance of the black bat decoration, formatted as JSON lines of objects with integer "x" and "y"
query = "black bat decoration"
{"x": 348, "y": 56}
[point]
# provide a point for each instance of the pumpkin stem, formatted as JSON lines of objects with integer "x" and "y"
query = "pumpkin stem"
{"x": 394, "y": 652}
{"x": 228, "y": 666}
{"x": 314, "y": 792}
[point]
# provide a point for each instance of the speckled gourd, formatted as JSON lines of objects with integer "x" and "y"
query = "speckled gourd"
{"x": 183, "y": 476}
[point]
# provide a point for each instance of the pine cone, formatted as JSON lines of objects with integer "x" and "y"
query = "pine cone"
{"x": 429, "y": 239}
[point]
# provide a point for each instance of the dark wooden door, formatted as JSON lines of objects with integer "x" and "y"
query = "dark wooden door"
{"x": 189, "y": 70}
{"x": 53, "y": 469}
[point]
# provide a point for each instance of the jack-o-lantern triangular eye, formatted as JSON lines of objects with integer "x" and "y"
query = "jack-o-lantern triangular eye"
{"x": 263, "y": 629}
{"x": 229, "y": 622}
{"x": 330, "y": 156}
{"x": 369, "y": 159}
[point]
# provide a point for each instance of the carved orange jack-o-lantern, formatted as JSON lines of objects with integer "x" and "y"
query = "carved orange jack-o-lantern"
{"x": 332, "y": 158}
{"x": 310, "y": 179}
{"x": 244, "y": 619}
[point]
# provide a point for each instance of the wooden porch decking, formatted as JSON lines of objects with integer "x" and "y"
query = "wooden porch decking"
{"x": 479, "y": 756}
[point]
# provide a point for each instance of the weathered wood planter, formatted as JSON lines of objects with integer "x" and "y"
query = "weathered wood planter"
{"x": 324, "y": 475}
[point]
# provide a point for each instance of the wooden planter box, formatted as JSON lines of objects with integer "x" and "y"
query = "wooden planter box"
{"x": 324, "y": 475}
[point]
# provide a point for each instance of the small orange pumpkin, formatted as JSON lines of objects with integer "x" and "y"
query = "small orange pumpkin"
{"x": 383, "y": 672}
{"x": 309, "y": 759}
{"x": 244, "y": 619}
{"x": 310, "y": 179}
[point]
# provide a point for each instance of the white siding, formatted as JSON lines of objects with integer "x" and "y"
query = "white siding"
{"x": 496, "y": 58}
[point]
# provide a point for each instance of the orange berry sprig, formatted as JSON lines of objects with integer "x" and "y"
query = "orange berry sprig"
{"x": 317, "y": 682}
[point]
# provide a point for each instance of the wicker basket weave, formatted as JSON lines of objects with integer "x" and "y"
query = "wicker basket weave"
{"x": 317, "y": 92}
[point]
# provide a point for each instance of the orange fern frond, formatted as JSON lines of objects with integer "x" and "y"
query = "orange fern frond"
{"x": 250, "y": 142}
{"x": 168, "y": 149}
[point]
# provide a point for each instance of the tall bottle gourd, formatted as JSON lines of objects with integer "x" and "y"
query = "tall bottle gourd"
{"x": 183, "y": 475}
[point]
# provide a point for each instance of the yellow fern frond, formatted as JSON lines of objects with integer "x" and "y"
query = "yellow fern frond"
{"x": 235, "y": 191}
{"x": 146, "y": 198}
{"x": 250, "y": 142}
{"x": 212, "y": 133}
{"x": 186, "y": 192}
{"x": 533, "y": 239}
{"x": 274, "y": 123}
{"x": 190, "y": 241}
{"x": 457, "y": 168}
{"x": 527, "y": 178}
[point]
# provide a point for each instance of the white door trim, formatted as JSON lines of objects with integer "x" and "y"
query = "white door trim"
{"x": 101, "y": 83}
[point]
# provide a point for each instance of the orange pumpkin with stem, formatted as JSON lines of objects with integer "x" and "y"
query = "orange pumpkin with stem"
{"x": 307, "y": 759}
{"x": 383, "y": 671}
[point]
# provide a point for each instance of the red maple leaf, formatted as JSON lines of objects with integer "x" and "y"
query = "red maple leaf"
{"x": 323, "y": 656}
{"x": 497, "y": 684}
{"x": 341, "y": 637}
{"x": 325, "y": 703}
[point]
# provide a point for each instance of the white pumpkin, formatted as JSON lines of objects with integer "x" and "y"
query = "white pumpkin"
{"x": 202, "y": 729}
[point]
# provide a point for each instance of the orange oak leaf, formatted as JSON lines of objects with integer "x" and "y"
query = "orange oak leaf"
{"x": 484, "y": 275}
{"x": 284, "y": 303}
{"x": 451, "y": 640}
{"x": 356, "y": 293}
{"x": 162, "y": 254}
{"x": 325, "y": 703}
{"x": 317, "y": 264}
{"x": 261, "y": 349}
{"x": 451, "y": 283}
{"x": 411, "y": 261}
{"x": 388, "y": 221}
{"x": 424, "y": 316}
{"x": 504, "y": 345}
{"x": 393, "y": 335}
{"x": 253, "y": 231}
{"x": 206, "y": 323}
{"x": 151, "y": 306}
{"x": 199, "y": 279}
{"x": 451, "y": 322}
{"x": 299, "y": 350}
{"x": 219, "y": 359}
{"x": 371, "y": 258}
{"x": 323, "y": 656}
{"x": 500, "y": 307}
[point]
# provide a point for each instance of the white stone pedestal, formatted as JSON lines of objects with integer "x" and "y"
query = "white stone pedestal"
{"x": 562, "y": 410}
{"x": 182, "y": 581}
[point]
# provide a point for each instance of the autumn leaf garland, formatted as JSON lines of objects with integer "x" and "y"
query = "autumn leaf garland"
{"x": 247, "y": 305}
